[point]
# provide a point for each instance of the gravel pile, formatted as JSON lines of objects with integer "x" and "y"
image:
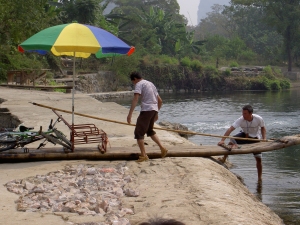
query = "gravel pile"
{"x": 81, "y": 189}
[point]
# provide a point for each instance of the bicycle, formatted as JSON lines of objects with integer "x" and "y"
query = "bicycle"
{"x": 14, "y": 139}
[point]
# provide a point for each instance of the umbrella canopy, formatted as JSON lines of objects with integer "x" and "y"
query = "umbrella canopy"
{"x": 77, "y": 40}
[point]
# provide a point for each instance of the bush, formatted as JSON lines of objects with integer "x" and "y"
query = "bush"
{"x": 211, "y": 71}
{"x": 186, "y": 62}
{"x": 233, "y": 64}
{"x": 16, "y": 61}
{"x": 196, "y": 65}
{"x": 275, "y": 85}
{"x": 269, "y": 72}
{"x": 285, "y": 84}
{"x": 265, "y": 83}
{"x": 227, "y": 72}
{"x": 53, "y": 83}
{"x": 169, "y": 60}
{"x": 122, "y": 67}
{"x": 247, "y": 55}
{"x": 27, "y": 60}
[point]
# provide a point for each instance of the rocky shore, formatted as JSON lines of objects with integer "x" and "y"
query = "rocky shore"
{"x": 192, "y": 190}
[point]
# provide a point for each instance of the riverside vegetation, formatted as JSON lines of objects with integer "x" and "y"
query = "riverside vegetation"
{"x": 167, "y": 49}
{"x": 189, "y": 75}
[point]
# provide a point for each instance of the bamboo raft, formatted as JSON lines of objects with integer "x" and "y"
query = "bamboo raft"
{"x": 132, "y": 153}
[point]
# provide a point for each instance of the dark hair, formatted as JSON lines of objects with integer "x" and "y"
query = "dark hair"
{"x": 161, "y": 221}
{"x": 136, "y": 75}
{"x": 248, "y": 108}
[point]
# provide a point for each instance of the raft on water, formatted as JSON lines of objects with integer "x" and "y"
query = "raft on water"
{"x": 132, "y": 153}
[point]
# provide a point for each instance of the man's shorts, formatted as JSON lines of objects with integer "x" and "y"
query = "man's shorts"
{"x": 243, "y": 135}
{"x": 144, "y": 124}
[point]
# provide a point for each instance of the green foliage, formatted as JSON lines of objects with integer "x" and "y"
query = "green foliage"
{"x": 196, "y": 65}
{"x": 122, "y": 66}
{"x": 227, "y": 72}
{"x": 268, "y": 72}
{"x": 234, "y": 48}
{"x": 215, "y": 45}
{"x": 164, "y": 60}
{"x": 226, "y": 48}
{"x": 22, "y": 61}
{"x": 275, "y": 85}
{"x": 264, "y": 83}
{"x": 211, "y": 71}
{"x": 214, "y": 24}
{"x": 233, "y": 64}
{"x": 186, "y": 62}
{"x": 284, "y": 20}
{"x": 247, "y": 56}
{"x": 169, "y": 60}
{"x": 238, "y": 34}
{"x": 23, "y": 19}
{"x": 285, "y": 84}
{"x": 53, "y": 83}
{"x": 250, "y": 25}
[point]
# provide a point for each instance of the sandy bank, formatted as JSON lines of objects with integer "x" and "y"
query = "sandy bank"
{"x": 193, "y": 190}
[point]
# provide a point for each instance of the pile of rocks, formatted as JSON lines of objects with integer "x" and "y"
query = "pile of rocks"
{"x": 81, "y": 189}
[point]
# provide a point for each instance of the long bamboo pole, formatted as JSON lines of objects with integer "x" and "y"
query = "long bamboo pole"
{"x": 157, "y": 128}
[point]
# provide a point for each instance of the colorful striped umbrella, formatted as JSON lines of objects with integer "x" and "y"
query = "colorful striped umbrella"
{"x": 77, "y": 40}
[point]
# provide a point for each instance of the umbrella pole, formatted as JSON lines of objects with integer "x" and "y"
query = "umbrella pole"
{"x": 73, "y": 92}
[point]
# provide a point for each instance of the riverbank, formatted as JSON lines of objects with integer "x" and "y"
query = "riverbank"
{"x": 193, "y": 190}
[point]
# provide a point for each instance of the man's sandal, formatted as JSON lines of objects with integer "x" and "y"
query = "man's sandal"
{"x": 142, "y": 159}
{"x": 164, "y": 152}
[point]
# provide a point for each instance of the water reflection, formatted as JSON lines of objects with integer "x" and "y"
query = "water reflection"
{"x": 213, "y": 113}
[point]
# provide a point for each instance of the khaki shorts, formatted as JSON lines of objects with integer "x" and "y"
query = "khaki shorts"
{"x": 144, "y": 124}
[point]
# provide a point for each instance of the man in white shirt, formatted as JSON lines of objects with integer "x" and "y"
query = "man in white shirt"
{"x": 150, "y": 105}
{"x": 253, "y": 126}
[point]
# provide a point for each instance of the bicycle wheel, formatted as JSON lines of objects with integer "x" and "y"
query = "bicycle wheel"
{"x": 55, "y": 140}
{"x": 61, "y": 136}
{"x": 7, "y": 142}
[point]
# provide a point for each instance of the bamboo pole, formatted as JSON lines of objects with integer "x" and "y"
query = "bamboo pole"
{"x": 157, "y": 128}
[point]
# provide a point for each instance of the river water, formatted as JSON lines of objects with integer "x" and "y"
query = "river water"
{"x": 213, "y": 113}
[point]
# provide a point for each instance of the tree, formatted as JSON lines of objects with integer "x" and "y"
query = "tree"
{"x": 21, "y": 19}
{"x": 282, "y": 15}
{"x": 81, "y": 11}
{"x": 169, "y": 6}
{"x": 214, "y": 24}
{"x": 248, "y": 23}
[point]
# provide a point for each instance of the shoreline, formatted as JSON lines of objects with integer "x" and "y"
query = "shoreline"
{"x": 192, "y": 190}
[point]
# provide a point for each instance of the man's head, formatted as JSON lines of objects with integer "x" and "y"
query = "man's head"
{"x": 135, "y": 77}
{"x": 247, "y": 112}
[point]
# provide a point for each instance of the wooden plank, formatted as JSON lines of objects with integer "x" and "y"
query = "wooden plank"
{"x": 132, "y": 153}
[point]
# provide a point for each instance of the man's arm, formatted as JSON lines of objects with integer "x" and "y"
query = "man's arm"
{"x": 133, "y": 105}
{"x": 159, "y": 102}
{"x": 228, "y": 131}
{"x": 264, "y": 133}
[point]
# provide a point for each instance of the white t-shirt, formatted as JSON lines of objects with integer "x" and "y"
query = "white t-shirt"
{"x": 251, "y": 128}
{"x": 148, "y": 93}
